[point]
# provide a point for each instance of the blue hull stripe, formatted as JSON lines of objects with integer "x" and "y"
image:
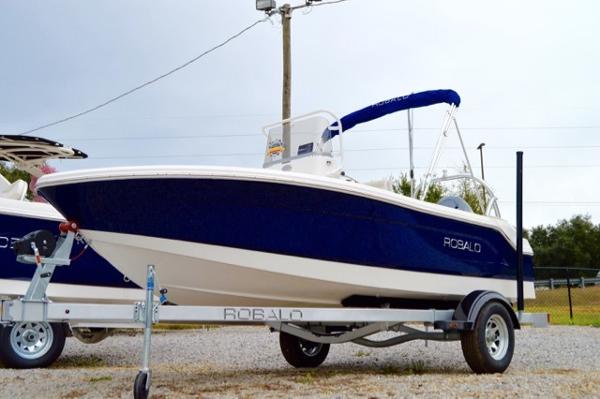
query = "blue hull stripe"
{"x": 89, "y": 269}
{"x": 291, "y": 220}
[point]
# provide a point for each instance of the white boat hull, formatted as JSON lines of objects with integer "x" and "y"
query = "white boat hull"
{"x": 201, "y": 274}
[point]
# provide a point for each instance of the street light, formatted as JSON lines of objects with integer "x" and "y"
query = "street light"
{"x": 265, "y": 5}
{"x": 480, "y": 148}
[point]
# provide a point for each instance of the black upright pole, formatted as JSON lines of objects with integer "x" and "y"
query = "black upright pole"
{"x": 569, "y": 294}
{"x": 520, "y": 301}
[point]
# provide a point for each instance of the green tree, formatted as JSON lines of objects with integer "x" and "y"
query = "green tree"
{"x": 12, "y": 174}
{"x": 464, "y": 189}
{"x": 467, "y": 190}
{"x": 569, "y": 243}
{"x": 401, "y": 185}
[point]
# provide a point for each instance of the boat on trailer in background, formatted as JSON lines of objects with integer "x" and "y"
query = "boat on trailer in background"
{"x": 300, "y": 231}
{"x": 90, "y": 279}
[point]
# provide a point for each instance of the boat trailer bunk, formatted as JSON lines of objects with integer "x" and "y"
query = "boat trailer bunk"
{"x": 34, "y": 328}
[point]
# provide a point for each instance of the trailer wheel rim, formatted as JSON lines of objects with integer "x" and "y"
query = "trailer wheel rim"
{"x": 496, "y": 337}
{"x": 31, "y": 340}
{"x": 310, "y": 348}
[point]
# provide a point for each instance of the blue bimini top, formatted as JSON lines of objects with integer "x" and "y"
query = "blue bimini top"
{"x": 415, "y": 100}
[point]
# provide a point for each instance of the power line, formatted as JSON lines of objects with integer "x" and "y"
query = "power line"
{"x": 556, "y": 203}
{"x": 164, "y": 75}
{"x": 506, "y": 128}
{"x": 310, "y": 4}
{"x": 326, "y": 3}
{"x": 228, "y": 135}
{"x": 524, "y": 147}
{"x": 260, "y": 154}
{"x": 487, "y": 167}
{"x": 235, "y": 134}
{"x": 178, "y": 137}
{"x": 163, "y": 156}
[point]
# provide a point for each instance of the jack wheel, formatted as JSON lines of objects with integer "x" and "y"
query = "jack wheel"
{"x": 301, "y": 353}
{"x": 141, "y": 385}
{"x": 30, "y": 344}
{"x": 489, "y": 347}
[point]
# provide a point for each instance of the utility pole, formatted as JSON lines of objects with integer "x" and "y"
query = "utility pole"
{"x": 270, "y": 8}
{"x": 286, "y": 19}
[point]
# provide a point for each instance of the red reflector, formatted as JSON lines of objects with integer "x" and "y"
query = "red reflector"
{"x": 65, "y": 227}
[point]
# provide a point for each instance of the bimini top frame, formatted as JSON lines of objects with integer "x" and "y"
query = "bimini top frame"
{"x": 307, "y": 146}
{"x": 29, "y": 153}
{"x": 408, "y": 103}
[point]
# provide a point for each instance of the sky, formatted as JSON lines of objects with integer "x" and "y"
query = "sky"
{"x": 527, "y": 73}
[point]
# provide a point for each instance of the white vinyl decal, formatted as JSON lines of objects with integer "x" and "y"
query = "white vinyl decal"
{"x": 462, "y": 245}
{"x": 7, "y": 243}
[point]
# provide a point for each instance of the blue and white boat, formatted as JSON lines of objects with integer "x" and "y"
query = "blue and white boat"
{"x": 90, "y": 278}
{"x": 298, "y": 232}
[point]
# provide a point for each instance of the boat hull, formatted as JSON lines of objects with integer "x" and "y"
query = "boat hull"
{"x": 201, "y": 274}
{"x": 244, "y": 237}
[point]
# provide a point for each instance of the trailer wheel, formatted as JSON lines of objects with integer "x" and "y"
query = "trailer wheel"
{"x": 31, "y": 344}
{"x": 141, "y": 386}
{"x": 301, "y": 353}
{"x": 489, "y": 347}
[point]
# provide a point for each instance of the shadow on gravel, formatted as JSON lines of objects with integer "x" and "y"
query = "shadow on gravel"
{"x": 193, "y": 380}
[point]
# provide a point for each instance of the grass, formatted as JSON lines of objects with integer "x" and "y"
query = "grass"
{"x": 586, "y": 305}
{"x": 307, "y": 378}
{"x": 416, "y": 367}
{"x": 79, "y": 362}
{"x": 102, "y": 378}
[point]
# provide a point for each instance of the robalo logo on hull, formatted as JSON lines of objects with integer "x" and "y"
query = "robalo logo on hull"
{"x": 462, "y": 245}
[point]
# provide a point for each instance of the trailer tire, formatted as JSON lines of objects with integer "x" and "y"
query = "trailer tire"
{"x": 489, "y": 347}
{"x": 141, "y": 388}
{"x": 301, "y": 353}
{"x": 27, "y": 345}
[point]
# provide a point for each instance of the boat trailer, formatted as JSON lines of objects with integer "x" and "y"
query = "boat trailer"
{"x": 33, "y": 327}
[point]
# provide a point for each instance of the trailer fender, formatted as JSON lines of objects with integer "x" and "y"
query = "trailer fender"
{"x": 469, "y": 307}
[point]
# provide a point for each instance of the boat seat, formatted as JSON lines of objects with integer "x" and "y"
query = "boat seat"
{"x": 15, "y": 191}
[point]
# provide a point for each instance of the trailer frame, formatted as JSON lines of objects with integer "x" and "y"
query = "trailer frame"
{"x": 305, "y": 333}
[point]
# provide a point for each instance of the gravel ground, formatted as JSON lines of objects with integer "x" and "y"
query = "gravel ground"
{"x": 246, "y": 362}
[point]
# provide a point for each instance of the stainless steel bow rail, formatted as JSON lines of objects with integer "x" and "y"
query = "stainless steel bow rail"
{"x": 305, "y": 333}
